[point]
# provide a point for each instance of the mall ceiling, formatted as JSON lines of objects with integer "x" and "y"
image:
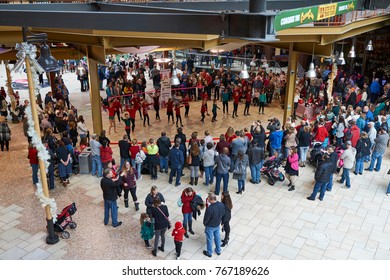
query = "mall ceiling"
{"x": 101, "y": 27}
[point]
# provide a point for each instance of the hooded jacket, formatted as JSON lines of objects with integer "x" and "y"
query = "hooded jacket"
{"x": 178, "y": 232}
{"x": 349, "y": 157}
{"x": 355, "y": 135}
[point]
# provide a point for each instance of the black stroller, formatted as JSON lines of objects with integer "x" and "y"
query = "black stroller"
{"x": 316, "y": 154}
{"x": 270, "y": 170}
{"x": 64, "y": 219}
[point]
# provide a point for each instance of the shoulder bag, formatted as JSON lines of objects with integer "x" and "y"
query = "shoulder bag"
{"x": 169, "y": 222}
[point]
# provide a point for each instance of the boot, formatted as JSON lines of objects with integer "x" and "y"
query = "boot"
{"x": 225, "y": 242}
{"x": 192, "y": 181}
{"x": 190, "y": 228}
{"x": 186, "y": 234}
{"x": 127, "y": 203}
{"x": 291, "y": 188}
{"x": 196, "y": 181}
{"x": 136, "y": 204}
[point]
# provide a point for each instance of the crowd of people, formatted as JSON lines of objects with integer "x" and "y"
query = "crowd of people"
{"x": 351, "y": 128}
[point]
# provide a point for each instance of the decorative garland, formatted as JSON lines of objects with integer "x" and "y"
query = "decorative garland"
{"x": 29, "y": 51}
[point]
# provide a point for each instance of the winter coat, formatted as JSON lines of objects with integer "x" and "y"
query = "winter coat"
{"x": 241, "y": 164}
{"x": 197, "y": 204}
{"x": 323, "y": 172}
{"x": 208, "y": 157}
{"x": 349, "y": 157}
{"x": 186, "y": 200}
{"x": 363, "y": 148}
{"x": 355, "y": 135}
{"x": 160, "y": 221}
{"x": 255, "y": 155}
{"x": 147, "y": 230}
{"x": 178, "y": 232}
{"x": 164, "y": 144}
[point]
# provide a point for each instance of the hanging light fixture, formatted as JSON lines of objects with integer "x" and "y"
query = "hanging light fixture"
{"x": 341, "y": 60}
{"x": 47, "y": 61}
{"x": 244, "y": 72}
{"x": 311, "y": 73}
{"x": 369, "y": 46}
{"x": 352, "y": 53}
{"x": 175, "y": 80}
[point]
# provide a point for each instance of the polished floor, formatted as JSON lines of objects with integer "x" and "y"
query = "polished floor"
{"x": 268, "y": 221}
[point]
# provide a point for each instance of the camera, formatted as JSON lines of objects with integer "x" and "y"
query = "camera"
{"x": 270, "y": 120}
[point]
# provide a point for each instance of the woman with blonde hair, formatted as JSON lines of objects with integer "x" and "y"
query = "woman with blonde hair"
{"x": 193, "y": 161}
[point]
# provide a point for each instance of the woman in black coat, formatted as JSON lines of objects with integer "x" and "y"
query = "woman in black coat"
{"x": 160, "y": 215}
{"x": 227, "y": 202}
{"x": 149, "y": 200}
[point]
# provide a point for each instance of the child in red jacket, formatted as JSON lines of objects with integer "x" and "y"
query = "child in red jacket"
{"x": 178, "y": 237}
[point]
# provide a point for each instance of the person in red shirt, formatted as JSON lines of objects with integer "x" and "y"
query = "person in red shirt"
{"x": 105, "y": 154}
{"x": 236, "y": 100}
{"x": 248, "y": 100}
{"x": 321, "y": 133}
{"x": 137, "y": 103}
{"x": 118, "y": 108}
{"x": 186, "y": 103}
{"x": 34, "y": 162}
{"x": 170, "y": 110}
{"x": 203, "y": 110}
{"x": 178, "y": 237}
{"x": 132, "y": 111}
{"x": 111, "y": 116}
{"x": 177, "y": 112}
{"x": 187, "y": 196}
{"x": 145, "y": 107}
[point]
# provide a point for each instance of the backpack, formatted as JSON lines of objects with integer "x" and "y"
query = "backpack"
{"x": 140, "y": 156}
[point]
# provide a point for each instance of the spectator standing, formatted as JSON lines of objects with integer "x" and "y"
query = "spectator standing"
{"x": 227, "y": 202}
{"x": 160, "y": 215}
{"x": 213, "y": 216}
{"x": 349, "y": 158}
{"x": 322, "y": 177}
{"x": 111, "y": 190}
{"x": 187, "y": 196}
{"x": 164, "y": 144}
{"x": 178, "y": 237}
{"x": 292, "y": 168}
{"x": 239, "y": 171}
{"x": 176, "y": 158}
{"x": 362, "y": 151}
{"x": 380, "y": 146}
{"x": 97, "y": 168}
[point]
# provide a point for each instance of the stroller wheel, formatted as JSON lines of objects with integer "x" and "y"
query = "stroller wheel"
{"x": 271, "y": 181}
{"x": 65, "y": 234}
{"x": 72, "y": 225}
{"x": 56, "y": 172}
{"x": 281, "y": 177}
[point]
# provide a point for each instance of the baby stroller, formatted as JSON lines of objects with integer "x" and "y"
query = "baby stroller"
{"x": 340, "y": 162}
{"x": 316, "y": 154}
{"x": 64, "y": 219}
{"x": 271, "y": 171}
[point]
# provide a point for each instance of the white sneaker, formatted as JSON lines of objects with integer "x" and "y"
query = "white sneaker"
{"x": 388, "y": 194}
{"x": 177, "y": 258}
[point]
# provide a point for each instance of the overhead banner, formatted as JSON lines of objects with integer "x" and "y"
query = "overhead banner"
{"x": 296, "y": 17}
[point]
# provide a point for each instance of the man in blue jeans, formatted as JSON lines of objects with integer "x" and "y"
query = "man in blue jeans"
{"x": 322, "y": 177}
{"x": 176, "y": 159}
{"x": 379, "y": 149}
{"x": 212, "y": 220}
{"x": 348, "y": 156}
{"x": 111, "y": 188}
{"x": 96, "y": 160}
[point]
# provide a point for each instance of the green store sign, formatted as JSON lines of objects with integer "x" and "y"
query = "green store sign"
{"x": 291, "y": 18}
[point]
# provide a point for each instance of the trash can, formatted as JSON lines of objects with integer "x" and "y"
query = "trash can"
{"x": 85, "y": 162}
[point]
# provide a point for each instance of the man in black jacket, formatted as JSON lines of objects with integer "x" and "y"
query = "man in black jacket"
{"x": 322, "y": 177}
{"x": 111, "y": 188}
{"x": 333, "y": 157}
{"x": 256, "y": 160}
{"x": 212, "y": 220}
{"x": 124, "y": 148}
{"x": 164, "y": 144}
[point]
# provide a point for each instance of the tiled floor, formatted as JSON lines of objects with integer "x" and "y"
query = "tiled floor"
{"x": 268, "y": 222}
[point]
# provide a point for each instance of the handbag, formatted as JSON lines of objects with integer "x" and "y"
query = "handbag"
{"x": 169, "y": 222}
{"x": 239, "y": 170}
{"x": 189, "y": 158}
{"x": 179, "y": 202}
